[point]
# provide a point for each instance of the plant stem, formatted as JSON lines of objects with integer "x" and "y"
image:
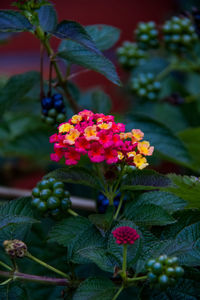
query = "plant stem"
{"x": 41, "y": 71}
{"x": 119, "y": 207}
{"x": 34, "y": 278}
{"x": 73, "y": 213}
{"x": 124, "y": 261}
{"x": 40, "y": 34}
{"x": 136, "y": 279}
{"x": 118, "y": 292}
{"x": 47, "y": 265}
{"x": 5, "y": 266}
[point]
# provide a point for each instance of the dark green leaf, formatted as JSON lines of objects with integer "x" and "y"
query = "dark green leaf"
{"x": 148, "y": 214}
{"x": 167, "y": 201}
{"x": 14, "y": 21}
{"x": 104, "y": 36}
{"x": 10, "y": 220}
{"x": 191, "y": 139}
{"x": 96, "y": 100}
{"x": 75, "y": 32}
{"x": 185, "y": 187}
{"x": 77, "y": 175}
{"x": 103, "y": 220}
{"x": 78, "y": 54}
{"x": 164, "y": 141}
{"x": 68, "y": 230}
{"x": 144, "y": 180}
{"x": 12, "y": 292}
{"x": 47, "y": 18}
{"x": 95, "y": 288}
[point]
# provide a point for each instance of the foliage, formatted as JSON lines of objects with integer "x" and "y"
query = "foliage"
{"x": 158, "y": 213}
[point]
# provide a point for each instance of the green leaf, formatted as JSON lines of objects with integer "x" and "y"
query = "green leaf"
{"x": 14, "y": 21}
{"x": 191, "y": 139}
{"x": 103, "y": 221}
{"x": 96, "y": 100}
{"x": 148, "y": 214}
{"x": 104, "y": 36}
{"x": 144, "y": 180}
{"x": 69, "y": 230}
{"x": 78, "y": 54}
{"x": 16, "y": 88}
{"x": 12, "y": 292}
{"x": 95, "y": 288}
{"x": 10, "y": 220}
{"x": 165, "y": 142}
{"x": 75, "y": 32}
{"x": 76, "y": 175}
{"x": 167, "y": 201}
{"x": 185, "y": 187}
{"x": 47, "y": 18}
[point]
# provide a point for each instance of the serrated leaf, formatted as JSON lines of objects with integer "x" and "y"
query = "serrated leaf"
{"x": 12, "y": 292}
{"x": 185, "y": 188}
{"x": 47, "y": 18}
{"x": 10, "y": 220}
{"x": 116, "y": 250}
{"x": 68, "y": 230}
{"x": 191, "y": 139}
{"x": 75, "y": 32}
{"x": 162, "y": 138}
{"x": 167, "y": 201}
{"x": 103, "y": 221}
{"x": 104, "y": 36}
{"x": 95, "y": 288}
{"x": 76, "y": 175}
{"x": 148, "y": 214}
{"x": 144, "y": 180}
{"x": 78, "y": 54}
{"x": 14, "y": 21}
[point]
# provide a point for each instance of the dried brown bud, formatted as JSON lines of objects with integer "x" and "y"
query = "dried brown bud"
{"x": 15, "y": 248}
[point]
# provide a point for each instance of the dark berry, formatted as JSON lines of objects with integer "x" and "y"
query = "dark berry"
{"x": 162, "y": 258}
{"x": 50, "y": 120}
{"x": 42, "y": 206}
{"x": 55, "y": 213}
{"x": 52, "y": 112}
{"x": 58, "y": 192}
{"x": 67, "y": 194}
{"x": 36, "y": 192}
{"x": 178, "y": 271}
{"x": 44, "y": 184}
{"x": 157, "y": 268}
{"x": 58, "y": 184}
{"x": 53, "y": 202}
{"x": 65, "y": 203}
{"x": 44, "y": 112}
{"x": 35, "y": 202}
{"x": 150, "y": 263}
{"x": 58, "y": 104}
{"x": 152, "y": 277}
{"x": 169, "y": 271}
{"x": 60, "y": 118}
{"x": 47, "y": 103}
{"x": 163, "y": 280}
{"x": 51, "y": 181}
{"x": 57, "y": 97}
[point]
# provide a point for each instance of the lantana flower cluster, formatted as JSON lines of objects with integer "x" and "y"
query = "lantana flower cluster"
{"x": 101, "y": 139}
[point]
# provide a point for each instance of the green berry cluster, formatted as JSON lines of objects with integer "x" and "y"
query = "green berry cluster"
{"x": 164, "y": 271}
{"x": 145, "y": 86}
{"x": 147, "y": 35}
{"x": 50, "y": 198}
{"x": 129, "y": 55}
{"x": 179, "y": 34}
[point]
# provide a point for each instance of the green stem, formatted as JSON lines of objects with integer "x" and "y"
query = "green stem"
{"x": 6, "y": 281}
{"x": 119, "y": 207}
{"x": 136, "y": 279}
{"x": 5, "y": 266}
{"x": 47, "y": 265}
{"x": 118, "y": 292}
{"x": 124, "y": 261}
{"x": 73, "y": 213}
{"x": 165, "y": 72}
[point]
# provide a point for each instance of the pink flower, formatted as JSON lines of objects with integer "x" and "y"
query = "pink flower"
{"x": 53, "y": 138}
{"x": 82, "y": 145}
{"x": 111, "y": 155}
{"x": 125, "y": 235}
{"x": 96, "y": 153}
{"x": 71, "y": 156}
{"x": 105, "y": 139}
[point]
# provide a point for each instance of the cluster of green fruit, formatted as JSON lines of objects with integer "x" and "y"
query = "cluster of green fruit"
{"x": 145, "y": 86}
{"x": 179, "y": 34}
{"x": 130, "y": 55}
{"x": 50, "y": 198}
{"x": 164, "y": 271}
{"x": 147, "y": 35}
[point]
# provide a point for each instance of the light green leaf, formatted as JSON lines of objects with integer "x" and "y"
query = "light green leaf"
{"x": 95, "y": 288}
{"x": 104, "y": 36}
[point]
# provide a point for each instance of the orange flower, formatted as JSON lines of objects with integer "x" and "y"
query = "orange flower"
{"x": 90, "y": 133}
{"x": 71, "y": 137}
{"x": 137, "y": 135}
{"x": 144, "y": 148}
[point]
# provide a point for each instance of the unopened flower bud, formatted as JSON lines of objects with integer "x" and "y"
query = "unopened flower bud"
{"x": 15, "y": 248}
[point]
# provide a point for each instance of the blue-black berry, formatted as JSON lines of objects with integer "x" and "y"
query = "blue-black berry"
{"x": 103, "y": 202}
{"x": 53, "y": 109}
{"x": 147, "y": 35}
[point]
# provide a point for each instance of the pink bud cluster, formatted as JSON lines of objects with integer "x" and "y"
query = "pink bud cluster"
{"x": 101, "y": 139}
{"x": 125, "y": 235}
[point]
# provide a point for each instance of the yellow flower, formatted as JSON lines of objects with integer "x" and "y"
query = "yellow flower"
{"x": 125, "y": 135}
{"x": 131, "y": 154}
{"x": 137, "y": 135}
{"x": 71, "y": 137}
{"x": 90, "y": 133}
{"x": 120, "y": 155}
{"x": 140, "y": 161}
{"x": 76, "y": 119}
{"x": 144, "y": 148}
{"x": 105, "y": 125}
{"x": 65, "y": 127}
